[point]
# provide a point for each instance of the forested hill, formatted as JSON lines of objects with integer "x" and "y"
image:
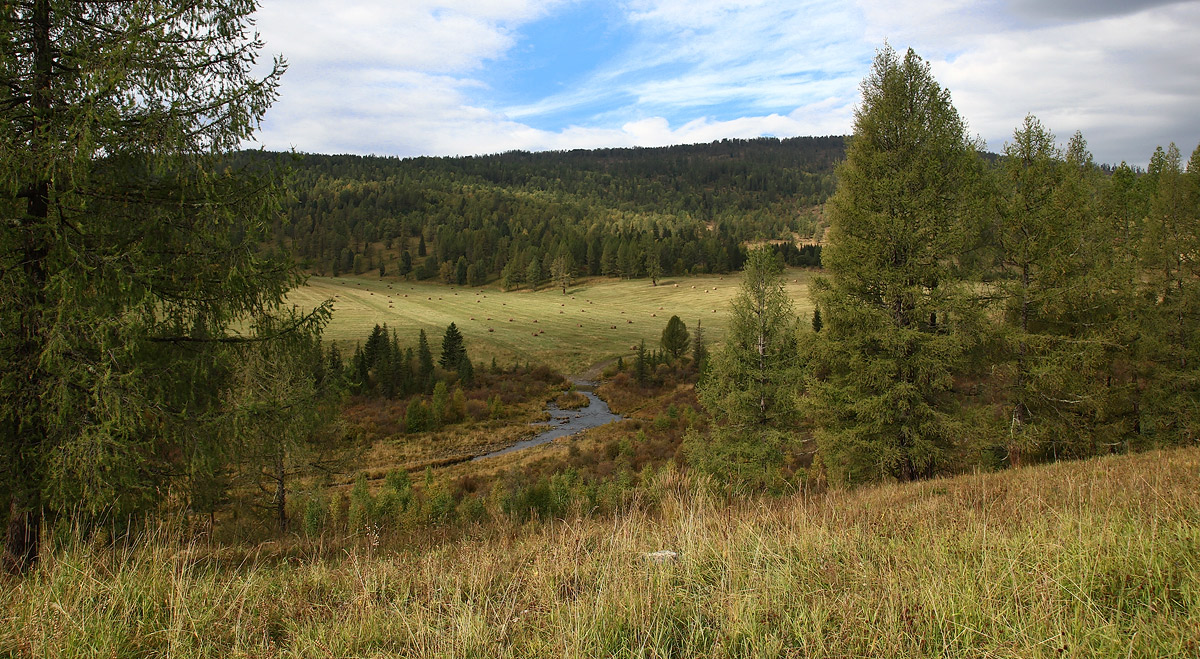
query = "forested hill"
{"x": 633, "y": 212}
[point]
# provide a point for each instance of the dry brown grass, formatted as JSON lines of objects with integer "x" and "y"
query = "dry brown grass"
{"x": 1085, "y": 559}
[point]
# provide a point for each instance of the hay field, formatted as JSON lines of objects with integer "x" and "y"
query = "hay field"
{"x": 598, "y": 320}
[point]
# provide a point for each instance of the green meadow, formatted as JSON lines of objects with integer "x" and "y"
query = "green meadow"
{"x": 597, "y": 320}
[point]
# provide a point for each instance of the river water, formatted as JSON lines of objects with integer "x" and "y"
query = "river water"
{"x": 564, "y": 423}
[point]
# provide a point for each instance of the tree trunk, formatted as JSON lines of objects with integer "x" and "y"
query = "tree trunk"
{"x": 21, "y": 542}
{"x": 281, "y": 494}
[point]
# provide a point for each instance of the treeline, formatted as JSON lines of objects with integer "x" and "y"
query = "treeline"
{"x": 974, "y": 312}
{"x": 616, "y": 212}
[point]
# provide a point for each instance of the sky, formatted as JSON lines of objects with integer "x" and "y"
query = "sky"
{"x": 463, "y": 77}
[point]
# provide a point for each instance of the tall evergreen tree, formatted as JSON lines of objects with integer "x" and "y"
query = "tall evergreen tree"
{"x": 675, "y": 337}
{"x": 751, "y": 384}
{"x": 129, "y": 238}
{"x": 699, "y": 347}
{"x": 753, "y": 376}
{"x": 1048, "y": 282}
{"x": 1171, "y": 291}
{"x": 280, "y": 416}
{"x": 533, "y": 273}
{"x": 453, "y": 349}
{"x": 560, "y": 272}
{"x": 895, "y": 309}
{"x": 424, "y": 363}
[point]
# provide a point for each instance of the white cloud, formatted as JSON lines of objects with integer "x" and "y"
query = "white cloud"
{"x": 408, "y": 78}
{"x": 1128, "y": 83}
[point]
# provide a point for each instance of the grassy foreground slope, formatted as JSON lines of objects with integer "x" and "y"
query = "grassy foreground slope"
{"x": 1085, "y": 559}
{"x": 598, "y": 319}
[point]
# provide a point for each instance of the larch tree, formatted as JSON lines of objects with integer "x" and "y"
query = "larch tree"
{"x": 1053, "y": 302}
{"x": 128, "y": 248}
{"x": 560, "y": 271}
{"x": 751, "y": 384}
{"x": 895, "y": 308}
{"x": 1171, "y": 293}
{"x": 283, "y": 419}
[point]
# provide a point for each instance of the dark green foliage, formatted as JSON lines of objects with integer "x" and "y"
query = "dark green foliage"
{"x": 424, "y": 363}
{"x": 466, "y": 370}
{"x": 641, "y": 365}
{"x": 817, "y": 324}
{"x": 130, "y": 247}
{"x": 699, "y": 348}
{"x": 623, "y": 212}
{"x": 750, "y": 386}
{"x": 1056, "y": 294}
{"x": 675, "y": 338}
{"x": 896, "y": 316}
{"x": 453, "y": 350}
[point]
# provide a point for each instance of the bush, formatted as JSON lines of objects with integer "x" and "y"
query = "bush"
{"x": 361, "y": 508}
{"x": 316, "y": 509}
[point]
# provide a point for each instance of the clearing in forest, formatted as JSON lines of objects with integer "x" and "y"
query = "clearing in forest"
{"x": 597, "y": 320}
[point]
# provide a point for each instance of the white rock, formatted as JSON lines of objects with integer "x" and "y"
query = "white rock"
{"x": 661, "y": 556}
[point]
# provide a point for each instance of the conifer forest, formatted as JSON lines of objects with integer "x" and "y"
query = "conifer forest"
{"x": 880, "y": 394}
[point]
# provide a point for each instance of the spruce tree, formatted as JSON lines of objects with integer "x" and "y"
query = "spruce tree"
{"x": 895, "y": 309}
{"x": 453, "y": 349}
{"x": 675, "y": 337}
{"x": 466, "y": 370}
{"x": 424, "y": 363}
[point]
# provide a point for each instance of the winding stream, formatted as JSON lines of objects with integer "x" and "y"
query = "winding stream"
{"x": 564, "y": 423}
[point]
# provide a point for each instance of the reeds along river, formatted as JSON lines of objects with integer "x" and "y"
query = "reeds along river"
{"x": 564, "y": 423}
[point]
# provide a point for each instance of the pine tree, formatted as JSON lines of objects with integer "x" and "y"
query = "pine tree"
{"x": 466, "y": 370}
{"x": 279, "y": 415}
{"x": 895, "y": 310}
{"x": 753, "y": 376}
{"x": 125, "y": 237}
{"x": 533, "y": 273}
{"x": 653, "y": 265}
{"x": 1171, "y": 292}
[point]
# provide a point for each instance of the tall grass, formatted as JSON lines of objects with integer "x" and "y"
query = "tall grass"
{"x": 1087, "y": 559}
